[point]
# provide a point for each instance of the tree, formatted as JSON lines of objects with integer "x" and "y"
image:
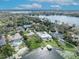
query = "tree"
{"x": 7, "y": 50}
{"x": 2, "y": 56}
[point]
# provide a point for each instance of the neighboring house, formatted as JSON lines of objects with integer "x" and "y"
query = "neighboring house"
{"x": 2, "y": 40}
{"x": 57, "y": 35}
{"x": 18, "y": 29}
{"x": 30, "y": 33}
{"x": 27, "y": 26}
{"x": 61, "y": 41}
{"x": 15, "y": 40}
{"x": 9, "y": 37}
{"x": 75, "y": 37}
{"x": 44, "y": 35}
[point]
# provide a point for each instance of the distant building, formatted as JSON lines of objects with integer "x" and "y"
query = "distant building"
{"x": 44, "y": 35}
{"x": 2, "y": 40}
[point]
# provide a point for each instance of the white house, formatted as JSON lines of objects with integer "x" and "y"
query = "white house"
{"x": 27, "y": 26}
{"x": 2, "y": 40}
{"x": 44, "y": 35}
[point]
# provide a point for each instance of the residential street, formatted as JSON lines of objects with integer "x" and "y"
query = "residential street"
{"x": 43, "y": 54}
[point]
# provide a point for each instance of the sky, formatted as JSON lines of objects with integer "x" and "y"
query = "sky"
{"x": 40, "y": 4}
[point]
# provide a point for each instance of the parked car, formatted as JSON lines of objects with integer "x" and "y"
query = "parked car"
{"x": 49, "y": 47}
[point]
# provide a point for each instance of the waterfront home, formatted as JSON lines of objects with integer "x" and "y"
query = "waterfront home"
{"x": 2, "y": 41}
{"x": 44, "y": 35}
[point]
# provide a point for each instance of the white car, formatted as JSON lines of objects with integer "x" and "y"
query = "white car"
{"x": 49, "y": 47}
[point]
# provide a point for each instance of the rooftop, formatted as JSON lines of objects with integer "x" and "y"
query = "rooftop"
{"x": 44, "y": 35}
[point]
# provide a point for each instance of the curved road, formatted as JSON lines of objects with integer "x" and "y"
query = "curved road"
{"x": 43, "y": 54}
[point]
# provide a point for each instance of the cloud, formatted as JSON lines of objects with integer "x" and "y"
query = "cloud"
{"x": 61, "y": 2}
{"x": 29, "y": 6}
{"x": 74, "y": 3}
{"x": 57, "y": 1}
{"x": 56, "y": 7}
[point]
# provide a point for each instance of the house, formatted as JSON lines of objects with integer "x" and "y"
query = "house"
{"x": 19, "y": 28}
{"x": 61, "y": 41}
{"x": 44, "y": 35}
{"x": 27, "y": 26}
{"x": 2, "y": 41}
{"x": 75, "y": 37}
{"x": 57, "y": 35}
{"x": 15, "y": 40}
{"x": 9, "y": 37}
{"x": 30, "y": 33}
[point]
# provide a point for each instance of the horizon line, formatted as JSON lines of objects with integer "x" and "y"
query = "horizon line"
{"x": 34, "y": 10}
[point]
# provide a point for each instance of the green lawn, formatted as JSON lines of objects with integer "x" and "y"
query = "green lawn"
{"x": 25, "y": 32}
{"x": 69, "y": 47}
{"x": 66, "y": 46}
{"x": 50, "y": 42}
{"x": 34, "y": 42}
{"x": 57, "y": 44}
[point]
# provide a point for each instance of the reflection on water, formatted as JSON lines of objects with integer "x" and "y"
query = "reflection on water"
{"x": 43, "y": 54}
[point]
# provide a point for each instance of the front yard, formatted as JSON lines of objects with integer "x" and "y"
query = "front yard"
{"x": 34, "y": 42}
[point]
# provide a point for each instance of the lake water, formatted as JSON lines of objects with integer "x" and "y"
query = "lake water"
{"x": 43, "y": 54}
{"x": 66, "y": 19}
